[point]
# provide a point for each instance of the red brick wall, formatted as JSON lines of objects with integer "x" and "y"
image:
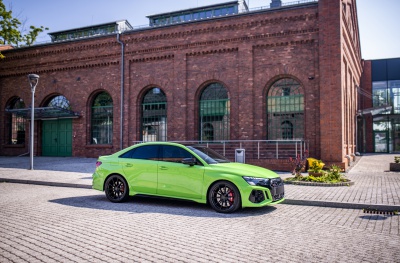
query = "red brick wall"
{"x": 246, "y": 53}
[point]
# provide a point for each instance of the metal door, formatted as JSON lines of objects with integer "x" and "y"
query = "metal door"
{"x": 57, "y": 138}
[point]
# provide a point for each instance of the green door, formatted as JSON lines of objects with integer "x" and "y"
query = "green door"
{"x": 57, "y": 138}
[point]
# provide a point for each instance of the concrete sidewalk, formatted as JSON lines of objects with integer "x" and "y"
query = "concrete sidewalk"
{"x": 375, "y": 187}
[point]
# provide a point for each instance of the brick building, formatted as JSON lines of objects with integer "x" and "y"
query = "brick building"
{"x": 282, "y": 73}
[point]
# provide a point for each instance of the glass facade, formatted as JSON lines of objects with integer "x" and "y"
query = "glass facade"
{"x": 386, "y": 124}
{"x": 102, "y": 119}
{"x": 386, "y": 92}
{"x": 214, "y": 112}
{"x": 154, "y": 116}
{"x": 285, "y": 110}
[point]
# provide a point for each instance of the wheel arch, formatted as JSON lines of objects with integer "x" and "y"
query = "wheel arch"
{"x": 222, "y": 180}
{"x": 111, "y": 174}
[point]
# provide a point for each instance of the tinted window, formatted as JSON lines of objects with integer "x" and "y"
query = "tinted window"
{"x": 174, "y": 154}
{"x": 208, "y": 155}
{"x": 149, "y": 152}
{"x": 379, "y": 70}
{"x": 393, "y": 68}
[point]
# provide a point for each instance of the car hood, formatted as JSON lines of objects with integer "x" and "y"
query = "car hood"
{"x": 242, "y": 169}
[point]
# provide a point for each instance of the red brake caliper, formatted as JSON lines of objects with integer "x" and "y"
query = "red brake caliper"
{"x": 231, "y": 196}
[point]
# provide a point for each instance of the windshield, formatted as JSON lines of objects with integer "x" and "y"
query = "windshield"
{"x": 208, "y": 155}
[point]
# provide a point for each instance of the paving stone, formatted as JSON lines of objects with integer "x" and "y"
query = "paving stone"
{"x": 154, "y": 230}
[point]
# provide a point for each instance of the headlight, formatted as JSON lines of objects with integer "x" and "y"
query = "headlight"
{"x": 256, "y": 181}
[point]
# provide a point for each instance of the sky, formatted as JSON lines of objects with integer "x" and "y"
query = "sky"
{"x": 379, "y": 20}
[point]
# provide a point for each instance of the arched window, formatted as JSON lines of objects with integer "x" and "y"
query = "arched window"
{"x": 59, "y": 102}
{"x": 285, "y": 111}
{"x": 15, "y": 123}
{"x": 214, "y": 113}
{"x": 154, "y": 116}
{"x": 102, "y": 119}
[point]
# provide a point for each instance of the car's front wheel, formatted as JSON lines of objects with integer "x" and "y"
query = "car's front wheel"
{"x": 224, "y": 197}
{"x": 116, "y": 189}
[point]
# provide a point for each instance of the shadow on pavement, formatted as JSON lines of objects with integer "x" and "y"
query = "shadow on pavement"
{"x": 144, "y": 204}
{"x": 63, "y": 164}
{"x": 376, "y": 217}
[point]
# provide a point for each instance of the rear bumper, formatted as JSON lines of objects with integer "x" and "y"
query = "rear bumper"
{"x": 97, "y": 182}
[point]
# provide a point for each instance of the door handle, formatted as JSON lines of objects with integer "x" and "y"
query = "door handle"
{"x": 163, "y": 168}
{"x": 128, "y": 165}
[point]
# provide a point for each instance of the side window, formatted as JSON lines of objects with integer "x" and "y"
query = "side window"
{"x": 174, "y": 154}
{"x": 149, "y": 152}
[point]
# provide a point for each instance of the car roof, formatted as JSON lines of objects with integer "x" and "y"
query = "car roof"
{"x": 159, "y": 143}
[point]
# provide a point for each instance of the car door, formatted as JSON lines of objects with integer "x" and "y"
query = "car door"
{"x": 140, "y": 166}
{"x": 176, "y": 179}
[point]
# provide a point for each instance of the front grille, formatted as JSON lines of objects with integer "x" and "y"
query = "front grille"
{"x": 275, "y": 182}
{"x": 277, "y": 189}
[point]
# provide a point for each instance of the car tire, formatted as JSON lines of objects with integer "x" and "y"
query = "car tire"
{"x": 116, "y": 189}
{"x": 224, "y": 197}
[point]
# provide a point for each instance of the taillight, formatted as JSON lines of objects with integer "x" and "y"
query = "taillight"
{"x": 98, "y": 163}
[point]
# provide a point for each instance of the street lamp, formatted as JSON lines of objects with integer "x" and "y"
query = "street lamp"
{"x": 33, "y": 81}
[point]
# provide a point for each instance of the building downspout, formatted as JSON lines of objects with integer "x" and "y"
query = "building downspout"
{"x": 122, "y": 90}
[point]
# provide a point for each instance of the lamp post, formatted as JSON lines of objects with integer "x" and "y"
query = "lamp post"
{"x": 33, "y": 81}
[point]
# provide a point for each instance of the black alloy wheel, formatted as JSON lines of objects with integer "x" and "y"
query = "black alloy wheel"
{"x": 224, "y": 197}
{"x": 116, "y": 189}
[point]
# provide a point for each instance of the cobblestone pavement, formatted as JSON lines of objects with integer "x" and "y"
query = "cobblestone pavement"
{"x": 374, "y": 184}
{"x": 59, "y": 224}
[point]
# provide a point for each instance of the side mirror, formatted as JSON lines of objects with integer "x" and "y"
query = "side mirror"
{"x": 189, "y": 161}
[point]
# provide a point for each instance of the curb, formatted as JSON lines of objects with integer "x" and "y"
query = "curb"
{"x": 20, "y": 181}
{"x": 378, "y": 207}
{"x": 349, "y": 183}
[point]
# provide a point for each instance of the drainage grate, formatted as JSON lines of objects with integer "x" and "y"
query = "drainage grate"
{"x": 380, "y": 212}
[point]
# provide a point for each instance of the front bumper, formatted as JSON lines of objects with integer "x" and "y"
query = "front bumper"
{"x": 258, "y": 196}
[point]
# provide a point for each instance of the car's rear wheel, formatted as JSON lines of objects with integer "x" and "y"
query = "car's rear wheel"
{"x": 116, "y": 189}
{"x": 224, "y": 197}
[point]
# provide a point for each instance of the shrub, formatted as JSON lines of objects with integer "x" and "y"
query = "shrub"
{"x": 332, "y": 175}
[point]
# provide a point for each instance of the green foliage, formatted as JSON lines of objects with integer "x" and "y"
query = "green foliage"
{"x": 11, "y": 32}
{"x": 316, "y": 166}
{"x": 397, "y": 159}
{"x": 332, "y": 175}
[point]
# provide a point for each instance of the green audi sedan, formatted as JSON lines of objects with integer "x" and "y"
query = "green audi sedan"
{"x": 193, "y": 173}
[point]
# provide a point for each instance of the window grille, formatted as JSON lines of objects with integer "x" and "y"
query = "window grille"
{"x": 102, "y": 119}
{"x": 214, "y": 113}
{"x": 59, "y": 102}
{"x": 285, "y": 110}
{"x": 154, "y": 116}
{"x": 15, "y": 123}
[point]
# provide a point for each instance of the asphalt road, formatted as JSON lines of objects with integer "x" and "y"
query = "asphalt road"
{"x": 59, "y": 224}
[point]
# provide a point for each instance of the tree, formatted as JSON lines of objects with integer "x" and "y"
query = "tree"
{"x": 11, "y": 32}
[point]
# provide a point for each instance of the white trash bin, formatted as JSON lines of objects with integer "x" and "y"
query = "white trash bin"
{"x": 240, "y": 155}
